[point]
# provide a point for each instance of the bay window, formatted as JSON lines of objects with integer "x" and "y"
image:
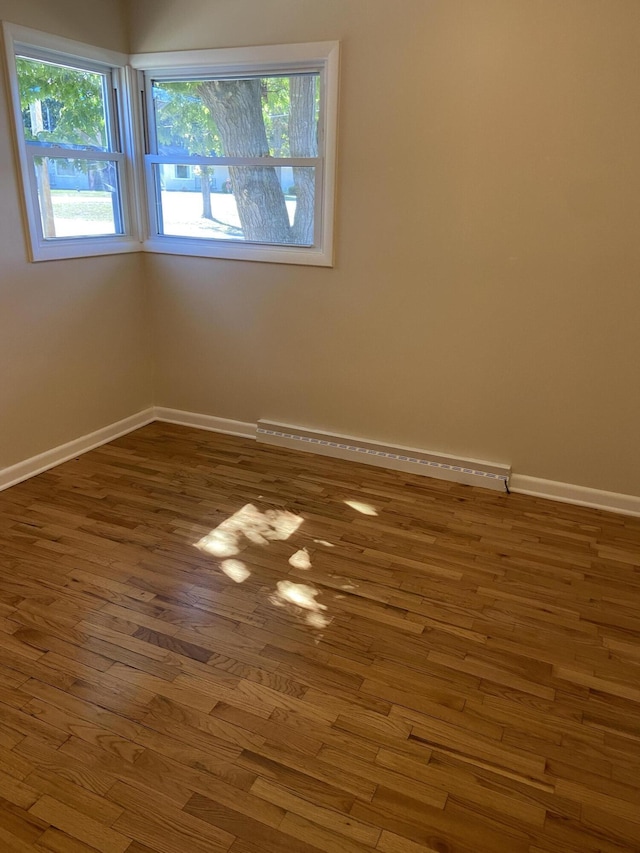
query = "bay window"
{"x": 226, "y": 153}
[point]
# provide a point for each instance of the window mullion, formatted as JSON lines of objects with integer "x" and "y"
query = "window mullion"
{"x": 149, "y": 116}
{"x": 114, "y": 112}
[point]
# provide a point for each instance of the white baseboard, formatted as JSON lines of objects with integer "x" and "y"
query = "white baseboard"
{"x": 50, "y": 458}
{"x": 208, "y": 422}
{"x": 578, "y": 495}
{"x": 519, "y": 483}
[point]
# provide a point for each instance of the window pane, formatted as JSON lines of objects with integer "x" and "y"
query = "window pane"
{"x": 252, "y": 117}
{"x": 63, "y": 106}
{"x": 258, "y": 204}
{"x": 78, "y": 198}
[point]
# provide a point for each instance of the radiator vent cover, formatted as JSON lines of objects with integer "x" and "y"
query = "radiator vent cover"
{"x": 488, "y": 475}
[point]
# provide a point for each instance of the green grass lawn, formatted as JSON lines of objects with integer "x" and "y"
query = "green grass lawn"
{"x": 87, "y": 205}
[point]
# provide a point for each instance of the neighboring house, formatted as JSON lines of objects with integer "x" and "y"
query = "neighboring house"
{"x": 181, "y": 177}
{"x": 66, "y": 175}
{"x": 178, "y": 177}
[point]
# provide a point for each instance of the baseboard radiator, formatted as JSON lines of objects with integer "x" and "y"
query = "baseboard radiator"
{"x": 469, "y": 471}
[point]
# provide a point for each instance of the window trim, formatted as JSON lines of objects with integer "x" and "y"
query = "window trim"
{"x": 321, "y": 57}
{"x": 53, "y": 48}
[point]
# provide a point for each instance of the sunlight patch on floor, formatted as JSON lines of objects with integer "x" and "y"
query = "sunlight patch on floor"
{"x": 250, "y": 526}
{"x": 359, "y": 506}
{"x": 300, "y": 560}
{"x": 248, "y": 523}
{"x": 236, "y": 570}
{"x": 302, "y": 598}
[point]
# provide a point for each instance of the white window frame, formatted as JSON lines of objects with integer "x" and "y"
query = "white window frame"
{"x": 60, "y": 50}
{"x": 320, "y": 57}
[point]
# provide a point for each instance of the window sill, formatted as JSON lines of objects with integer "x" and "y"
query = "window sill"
{"x": 81, "y": 247}
{"x": 236, "y": 252}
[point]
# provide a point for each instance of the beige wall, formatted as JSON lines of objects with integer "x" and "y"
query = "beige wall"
{"x": 73, "y": 341}
{"x": 486, "y": 298}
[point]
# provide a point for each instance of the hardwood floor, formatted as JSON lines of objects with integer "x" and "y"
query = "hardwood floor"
{"x": 211, "y": 645}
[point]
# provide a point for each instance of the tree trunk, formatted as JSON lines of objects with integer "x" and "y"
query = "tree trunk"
{"x": 46, "y": 203}
{"x": 205, "y": 189}
{"x": 42, "y": 174}
{"x": 303, "y": 142}
{"x": 236, "y": 107}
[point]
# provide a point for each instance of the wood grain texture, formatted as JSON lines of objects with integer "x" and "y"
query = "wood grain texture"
{"x": 211, "y": 645}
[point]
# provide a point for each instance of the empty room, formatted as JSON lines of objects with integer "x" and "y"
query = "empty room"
{"x": 319, "y": 417}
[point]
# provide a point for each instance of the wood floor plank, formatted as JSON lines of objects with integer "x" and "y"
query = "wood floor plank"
{"x": 78, "y": 825}
{"x": 210, "y": 645}
{"x": 280, "y": 796}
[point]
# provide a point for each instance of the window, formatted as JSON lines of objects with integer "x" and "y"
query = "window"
{"x": 70, "y": 136}
{"x": 219, "y": 153}
{"x": 257, "y": 126}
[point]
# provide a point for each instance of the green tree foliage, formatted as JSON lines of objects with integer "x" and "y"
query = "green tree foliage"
{"x": 73, "y": 100}
{"x": 182, "y": 120}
